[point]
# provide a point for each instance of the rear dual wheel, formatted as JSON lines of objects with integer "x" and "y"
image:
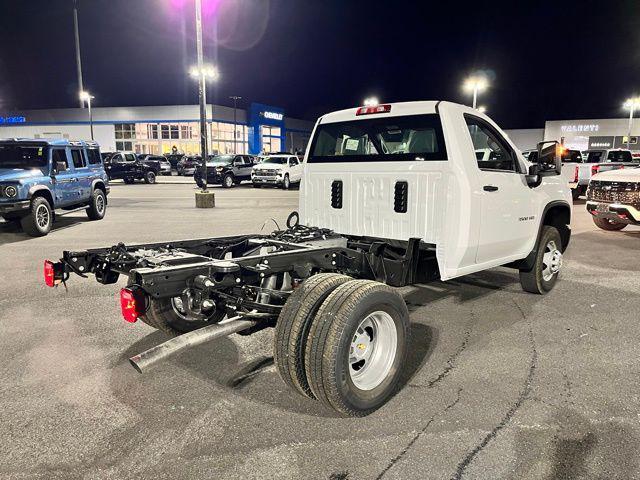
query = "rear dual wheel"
{"x": 343, "y": 342}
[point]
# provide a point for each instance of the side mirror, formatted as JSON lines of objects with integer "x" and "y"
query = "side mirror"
{"x": 549, "y": 161}
{"x": 61, "y": 167}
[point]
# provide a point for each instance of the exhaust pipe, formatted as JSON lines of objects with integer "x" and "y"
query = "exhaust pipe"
{"x": 146, "y": 359}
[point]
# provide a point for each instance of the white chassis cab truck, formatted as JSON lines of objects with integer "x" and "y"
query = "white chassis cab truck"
{"x": 391, "y": 195}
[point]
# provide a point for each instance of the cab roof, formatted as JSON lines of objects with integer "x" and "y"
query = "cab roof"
{"x": 395, "y": 110}
{"x": 57, "y": 142}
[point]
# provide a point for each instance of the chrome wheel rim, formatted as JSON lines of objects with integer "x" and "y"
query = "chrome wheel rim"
{"x": 228, "y": 181}
{"x": 286, "y": 182}
{"x": 42, "y": 216}
{"x": 373, "y": 350}
{"x": 100, "y": 204}
{"x": 551, "y": 261}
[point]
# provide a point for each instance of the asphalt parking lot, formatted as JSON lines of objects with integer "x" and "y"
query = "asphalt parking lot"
{"x": 500, "y": 384}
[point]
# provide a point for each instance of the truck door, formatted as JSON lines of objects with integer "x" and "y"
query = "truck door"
{"x": 296, "y": 169}
{"x": 507, "y": 207}
{"x": 83, "y": 174}
{"x": 64, "y": 181}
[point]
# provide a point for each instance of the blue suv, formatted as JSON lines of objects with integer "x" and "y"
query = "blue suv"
{"x": 39, "y": 176}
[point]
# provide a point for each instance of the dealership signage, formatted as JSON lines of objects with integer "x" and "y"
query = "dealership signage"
{"x": 580, "y": 128}
{"x": 5, "y": 120}
{"x": 273, "y": 115}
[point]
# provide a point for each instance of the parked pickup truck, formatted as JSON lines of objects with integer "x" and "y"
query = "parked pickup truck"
{"x": 128, "y": 167}
{"x": 282, "y": 170}
{"x": 226, "y": 170}
{"x": 38, "y": 177}
{"x": 571, "y": 159}
{"x": 158, "y": 162}
{"x": 597, "y": 161}
{"x": 613, "y": 198}
{"x": 392, "y": 195}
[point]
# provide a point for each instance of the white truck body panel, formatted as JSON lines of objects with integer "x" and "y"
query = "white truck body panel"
{"x": 472, "y": 229}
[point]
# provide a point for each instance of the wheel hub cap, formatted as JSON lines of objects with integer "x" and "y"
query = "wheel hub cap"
{"x": 372, "y": 350}
{"x": 42, "y": 216}
{"x": 551, "y": 261}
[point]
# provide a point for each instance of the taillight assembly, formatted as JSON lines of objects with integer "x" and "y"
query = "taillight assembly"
{"x": 53, "y": 273}
{"x": 132, "y": 303}
{"x": 373, "y": 109}
{"x": 594, "y": 169}
{"x": 575, "y": 176}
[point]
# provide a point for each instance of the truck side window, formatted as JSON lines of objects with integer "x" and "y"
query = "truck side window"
{"x": 130, "y": 157}
{"x": 492, "y": 151}
{"x": 59, "y": 155}
{"x": 94, "y": 156}
{"x": 76, "y": 158}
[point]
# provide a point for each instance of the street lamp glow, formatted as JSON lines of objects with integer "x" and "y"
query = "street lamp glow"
{"x": 482, "y": 109}
{"x": 475, "y": 84}
{"x": 632, "y": 104}
{"x": 371, "y": 102}
{"x": 209, "y": 71}
{"x": 86, "y": 96}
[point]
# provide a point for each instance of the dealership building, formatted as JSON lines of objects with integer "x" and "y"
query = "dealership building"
{"x": 260, "y": 128}
{"x": 161, "y": 129}
{"x": 581, "y": 134}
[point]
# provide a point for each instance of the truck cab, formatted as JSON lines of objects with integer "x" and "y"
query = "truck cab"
{"x": 128, "y": 167}
{"x": 38, "y": 177}
{"x": 412, "y": 169}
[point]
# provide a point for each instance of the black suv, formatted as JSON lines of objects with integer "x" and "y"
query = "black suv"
{"x": 127, "y": 166}
{"x": 226, "y": 170}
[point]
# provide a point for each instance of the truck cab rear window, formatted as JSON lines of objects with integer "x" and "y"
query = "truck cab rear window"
{"x": 408, "y": 138}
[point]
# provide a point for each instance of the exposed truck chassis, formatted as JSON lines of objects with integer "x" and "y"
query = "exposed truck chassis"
{"x": 250, "y": 278}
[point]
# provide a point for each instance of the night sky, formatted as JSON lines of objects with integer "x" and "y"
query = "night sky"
{"x": 546, "y": 59}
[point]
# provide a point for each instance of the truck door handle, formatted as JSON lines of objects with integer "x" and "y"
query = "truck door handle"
{"x": 490, "y": 188}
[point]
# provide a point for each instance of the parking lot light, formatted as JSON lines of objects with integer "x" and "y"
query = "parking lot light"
{"x": 474, "y": 85}
{"x": 371, "y": 102}
{"x": 632, "y": 104}
{"x": 87, "y": 97}
{"x": 482, "y": 109}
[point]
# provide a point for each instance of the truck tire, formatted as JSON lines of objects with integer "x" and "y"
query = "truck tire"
{"x": 293, "y": 326}
{"x": 609, "y": 225}
{"x": 227, "y": 181}
{"x": 37, "y": 223}
{"x": 98, "y": 206}
{"x": 544, "y": 274}
{"x": 286, "y": 182}
{"x": 150, "y": 177}
{"x": 575, "y": 193}
{"x": 163, "y": 314}
{"x": 357, "y": 347}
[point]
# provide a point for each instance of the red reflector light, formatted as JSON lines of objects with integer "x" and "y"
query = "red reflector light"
{"x": 575, "y": 178}
{"x": 49, "y": 274}
{"x": 132, "y": 304}
{"x": 373, "y": 109}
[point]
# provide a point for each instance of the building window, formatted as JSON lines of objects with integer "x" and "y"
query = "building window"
{"x": 222, "y": 139}
{"x": 124, "y": 146}
{"x": 125, "y": 130}
{"x": 153, "y": 130}
{"x": 271, "y": 141}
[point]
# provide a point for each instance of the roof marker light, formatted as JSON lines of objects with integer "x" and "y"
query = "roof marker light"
{"x": 373, "y": 109}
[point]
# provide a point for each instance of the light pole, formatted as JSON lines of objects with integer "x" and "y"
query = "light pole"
{"x": 77, "y": 38}
{"x": 87, "y": 97}
{"x": 475, "y": 84}
{"x": 202, "y": 94}
{"x": 235, "y": 99}
{"x": 632, "y": 104}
